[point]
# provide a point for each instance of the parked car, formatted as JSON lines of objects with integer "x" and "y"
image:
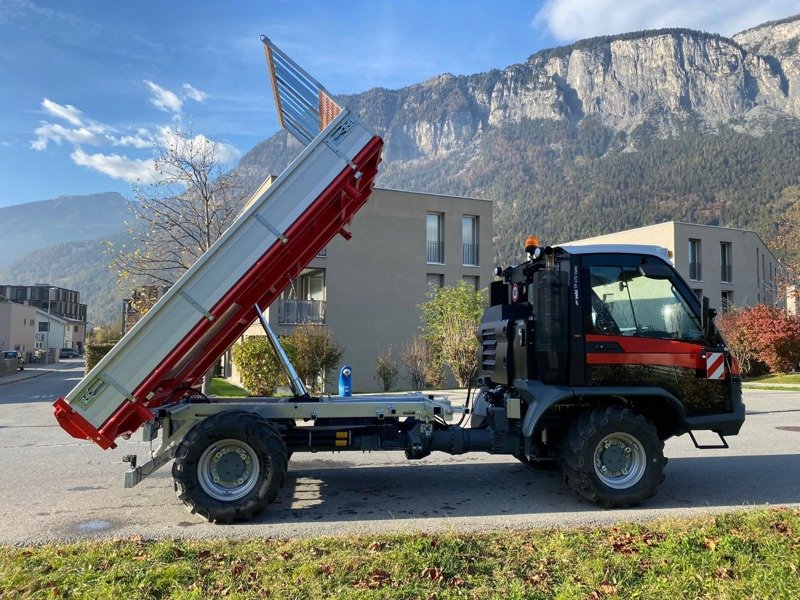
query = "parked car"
{"x": 68, "y": 353}
{"x": 7, "y": 354}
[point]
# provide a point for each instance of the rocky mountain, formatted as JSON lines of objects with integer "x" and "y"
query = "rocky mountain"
{"x": 33, "y": 225}
{"x": 600, "y": 135}
{"x": 627, "y": 130}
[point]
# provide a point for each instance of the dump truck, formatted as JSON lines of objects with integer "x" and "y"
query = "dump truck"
{"x": 591, "y": 356}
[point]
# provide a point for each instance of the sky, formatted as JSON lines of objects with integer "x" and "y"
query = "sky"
{"x": 87, "y": 88}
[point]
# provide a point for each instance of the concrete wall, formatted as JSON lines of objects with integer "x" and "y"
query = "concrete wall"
{"x": 750, "y": 282}
{"x": 17, "y": 327}
{"x": 375, "y": 281}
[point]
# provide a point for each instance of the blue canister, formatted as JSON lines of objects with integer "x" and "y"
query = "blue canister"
{"x": 345, "y": 381}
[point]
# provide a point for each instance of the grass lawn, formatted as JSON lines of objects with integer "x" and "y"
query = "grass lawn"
{"x": 749, "y": 554}
{"x": 776, "y": 378}
{"x": 222, "y": 387}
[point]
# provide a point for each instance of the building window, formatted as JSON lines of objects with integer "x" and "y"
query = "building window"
{"x": 304, "y": 300}
{"x": 473, "y": 280}
{"x": 469, "y": 241}
{"x": 435, "y": 280}
{"x": 435, "y": 238}
{"x": 323, "y": 252}
{"x": 726, "y": 268}
{"x": 44, "y": 326}
{"x": 695, "y": 272}
{"x": 727, "y": 301}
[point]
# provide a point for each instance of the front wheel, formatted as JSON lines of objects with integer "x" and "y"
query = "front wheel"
{"x": 613, "y": 457}
{"x": 230, "y": 466}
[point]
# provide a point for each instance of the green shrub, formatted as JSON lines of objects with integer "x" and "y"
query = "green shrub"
{"x": 96, "y": 351}
{"x": 258, "y": 366}
{"x": 314, "y": 353}
{"x": 450, "y": 317}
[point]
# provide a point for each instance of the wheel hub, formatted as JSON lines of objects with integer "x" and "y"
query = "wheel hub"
{"x": 228, "y": 469}
{"x": 619, "y": 460}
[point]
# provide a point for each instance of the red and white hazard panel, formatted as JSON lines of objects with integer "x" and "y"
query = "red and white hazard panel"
{"x": 715, "y": 365}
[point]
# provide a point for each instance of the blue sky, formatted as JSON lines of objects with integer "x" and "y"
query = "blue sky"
{"x": 86, "y": 86}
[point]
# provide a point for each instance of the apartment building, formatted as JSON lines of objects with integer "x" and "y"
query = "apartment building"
{"x": 367, "y": 289}
{"x": 17, "y": 328}
{"x": 729, "y": 266}
{"x": 55, "y": 300}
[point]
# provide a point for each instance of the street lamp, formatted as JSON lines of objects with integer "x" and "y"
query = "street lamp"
{"x": 49, "y": 325}
{"x": 126, "y": 309}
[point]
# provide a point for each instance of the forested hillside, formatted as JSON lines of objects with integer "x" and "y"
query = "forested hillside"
{"x": 81, "y": 266}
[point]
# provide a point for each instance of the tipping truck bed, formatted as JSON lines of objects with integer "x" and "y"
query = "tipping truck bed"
{"x": 282, "y": 229}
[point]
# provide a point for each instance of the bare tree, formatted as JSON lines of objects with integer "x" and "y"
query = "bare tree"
{"x": 416, "y": 357}
{"x": 193, "y": 199}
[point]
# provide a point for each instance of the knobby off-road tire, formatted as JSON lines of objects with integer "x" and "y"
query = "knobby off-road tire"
{"x": 230, "y": 466}
{"x": 613, "y": 457}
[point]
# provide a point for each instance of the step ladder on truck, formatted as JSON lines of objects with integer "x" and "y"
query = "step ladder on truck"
{"x": 591, "y": 356}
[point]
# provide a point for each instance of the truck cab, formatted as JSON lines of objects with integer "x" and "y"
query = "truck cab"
{"x": 608, "y": 331}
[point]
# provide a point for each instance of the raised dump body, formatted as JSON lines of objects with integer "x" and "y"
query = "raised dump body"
{"x": 283, "y": 227}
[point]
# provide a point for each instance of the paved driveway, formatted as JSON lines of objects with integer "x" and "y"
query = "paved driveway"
{"x": 55, "y": 488}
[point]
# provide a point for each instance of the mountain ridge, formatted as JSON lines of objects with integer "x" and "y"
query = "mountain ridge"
{"x": 603, "y": 134}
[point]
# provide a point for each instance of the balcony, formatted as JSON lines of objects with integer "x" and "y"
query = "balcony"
{"x": 695, "y": 272}
{"x": 294, "y": 312}
{"x": 469, "y": 255}
{"x": 435, "y": 253}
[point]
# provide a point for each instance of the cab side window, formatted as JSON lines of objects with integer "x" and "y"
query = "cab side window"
{"x": 625, "y": 302}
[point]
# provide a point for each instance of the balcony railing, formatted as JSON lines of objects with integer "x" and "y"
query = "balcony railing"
{"x": 469, "y": 255}
{"x": 435, "y": 252}
{"x": 726, "y": 274}
{"x": 694, "y": 271}
{"x": 293, "y": 312}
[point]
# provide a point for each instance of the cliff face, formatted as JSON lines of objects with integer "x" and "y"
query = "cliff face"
{"x": 777, "y": 44}
{"x": 661, "y": 77}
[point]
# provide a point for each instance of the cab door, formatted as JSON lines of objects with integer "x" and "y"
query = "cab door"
{"x": 643, "y": 328}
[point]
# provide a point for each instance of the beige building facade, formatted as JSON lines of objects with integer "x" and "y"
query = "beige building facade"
{"x": 17, "y": 328}
{"x": 367, "y": 289}
{"x": 729, "y": 266}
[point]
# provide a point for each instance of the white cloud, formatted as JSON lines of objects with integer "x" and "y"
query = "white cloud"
{"x": 189, "y": 91}
{"x": 163, "y": 99}
{"x": 47, "y": 132}
{"x": 81, "y": 131}
{"x": 574, "y": 19}
{"x": 67, "y": 112}
{"x": 134, "y": 141}
{"x": 116, "y": 166}
{"x": 198, "y": 144}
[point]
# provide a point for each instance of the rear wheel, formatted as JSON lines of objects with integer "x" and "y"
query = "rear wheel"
{"x": 230, "y": 466}
{"x": 613, "y": 457}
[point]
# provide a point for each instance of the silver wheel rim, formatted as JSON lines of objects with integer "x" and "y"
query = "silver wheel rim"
{"x": 619, "y": 460}
{"x": 228, "y": 470}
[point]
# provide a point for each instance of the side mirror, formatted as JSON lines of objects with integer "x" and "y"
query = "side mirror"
{"x": 707, "y": 316}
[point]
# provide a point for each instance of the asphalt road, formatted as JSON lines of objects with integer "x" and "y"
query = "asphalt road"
{"x": 53, "y": 487}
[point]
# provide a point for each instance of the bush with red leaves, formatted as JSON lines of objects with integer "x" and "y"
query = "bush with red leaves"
{"x": 762, "y": 337}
